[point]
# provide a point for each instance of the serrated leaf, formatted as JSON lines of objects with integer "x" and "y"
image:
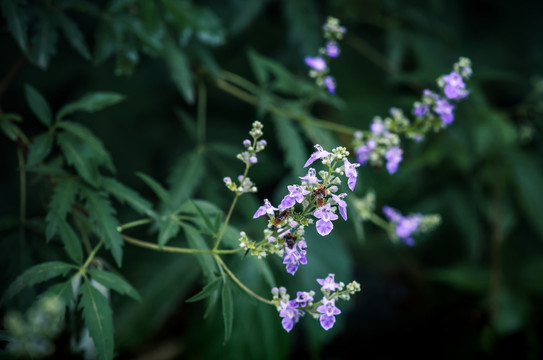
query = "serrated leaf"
{"x": 156, "y": 187}
{"x": 64, "y": 291}
{"x": 98, "y": 319}
{"x": 16, "y": 22}
{"x": 126, "y": 195}
{"x": 186, "y": 175}
{"x": 208, "y": 290}
{"x": 40, "y": 148}
{"x": 102, "y": 215}
{"x": 181, "y": 74}
{"x": 196, "y": 241}
{"x": 36, "y": 274}
{"x": 204, "y": 217}
{"x": 60, "y": 204}
{"x": 291, "y": 142}
{"x": 96, "y": 146}
{"x": 92, "y": 102}
{"x": 169, "y": 228}
{"x": 38, "y": 105}
{"x": 115, "y": 282}
{"x": 80, "y": 156}
{"x": 71, "y": 242}
{"x": 44, "y": 40}
{"x": 74, "y": 35}
{"x": 227, "y": 309}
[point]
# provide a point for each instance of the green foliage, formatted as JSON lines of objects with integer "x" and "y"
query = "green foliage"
{"x": 38, "y": 105}
{"x": 98, "y": 319}
{"x": 115, "y": 282}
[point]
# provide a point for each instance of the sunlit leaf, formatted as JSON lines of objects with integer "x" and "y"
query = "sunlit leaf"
{"x": 115, "y": 282}
{"x": 37, "y": 274}
{"x": 102, "y": 214}
{"x": 98, "y": 319}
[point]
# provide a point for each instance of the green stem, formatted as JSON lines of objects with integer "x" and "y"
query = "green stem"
{"x": 134, "y": 223}
{"x": 242, "y": 285}
{"x": 174, "y": 249}
{"x": 91, "y": 257}
{"x": 303, "y": 118}
{"x": 379, "y": 222}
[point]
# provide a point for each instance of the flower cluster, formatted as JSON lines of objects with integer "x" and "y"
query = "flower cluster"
{"x": 325, "y": 310}
{"x": 405, "y": 226}
{"x": 317, "y": 196}
{"x": 249, "y": 158}
{"x": 332, "y": 32}
{"x": 434, "y": 111}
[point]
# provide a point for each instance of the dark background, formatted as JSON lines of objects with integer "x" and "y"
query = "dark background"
{"x": 472, "y": 288}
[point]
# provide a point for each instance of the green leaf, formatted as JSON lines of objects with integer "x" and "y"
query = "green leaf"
{"x": 38, "y": 105}
{"x": 80, "y": 156}
{"x": 64, "y": 290}
{"x": 304, "y": 28}
{"x": 91, "y": 103}
{"x": 44, "y": 40}
{"x": 8, "y": 127}
{"x": 204, "y": 217}
{"x": 106, "y": 41}
{"x": 102, "y": 215}
{"x": 98, "y": 151}
{"x": 126, "y": 195}
{"x": 464, "y": 277}
{"x": 156, "y": 187}
{"x": 186, "y": 175}
{"x": 196, "y": 241}
{"x": 168, "y": 230}
{"x": 181, "y": 74}
{"x": 73, "y": 35}
{"x": 72, "y": 245}
{"x": 207, "y": 291}
{"x": 40, "y": 148}
{"x": 60, "y": 204}
{"x": 16, "y": 20}
{"x": 512, "y": 311}
{"x": 36, "y": 274}
{"x": 98, "y": 319}
{"x": 115, "y": 282}
{"x": 227, "y": 309}
{"x": 291, "y": 142}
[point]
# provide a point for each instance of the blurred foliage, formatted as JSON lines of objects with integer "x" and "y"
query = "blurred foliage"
{"x": 147, "y": 103}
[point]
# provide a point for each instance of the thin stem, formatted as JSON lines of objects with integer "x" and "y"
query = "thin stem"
{"x": 134, "y": 223}
{"x": 174, "y": 249}
{"x": 225, "y": 224}
{"x": 91, "y": 256}
{"x": 202, "y": 106}
{"x": 379, "y": 221}
{"x": 251, "y": 99}
{"x": 242, "y": 285}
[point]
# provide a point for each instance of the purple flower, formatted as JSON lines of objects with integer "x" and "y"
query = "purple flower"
{"x": 290, "y": 314}
{"x": 445, "y": 110}
{"x": 420, "y": 109}
{"x": 295, "y": 256}
{"x": 328, "y": 309}
{"x": 267, "y": 208}
{"x": 296, "y": 195}
{"x": 316, "y": 63}
{"x": 328, "y": 283}
{"x": 253, "y": 159}
{"x": 326, "y": 216}
{"x": 342, "y": 205}
{"x": 363, "y": 151}
{"x": 319, "y": 154}
{"x": 377, "y": 127}
{"x": 303, "y": 298}
{"x": 351, "y": 173}
{"x": 404, "y": 225}
{"x": 247, "y": 142}
{"x": 332, "y": 49}
{"x": 393, "y": 157}
{"x": 330, "y": 84}
{"x": 310, "y": 178}
{"x": 454, "y": 86}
